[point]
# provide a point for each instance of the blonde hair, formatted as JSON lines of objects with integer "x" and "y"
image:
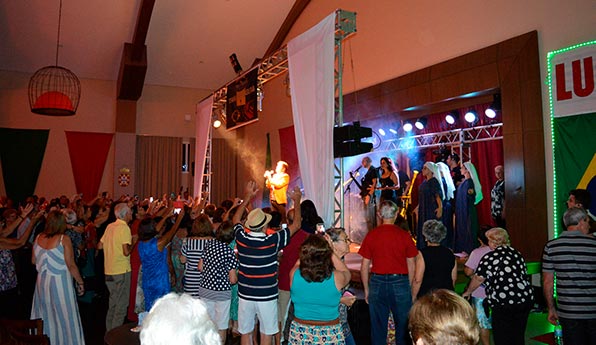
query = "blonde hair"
{"x": 443, "y": 318}
{"x": 499, "y": 236}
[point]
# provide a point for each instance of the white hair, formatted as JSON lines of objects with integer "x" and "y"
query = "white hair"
{"x": 69, "y": 215}
{"x": 180, "y": 320}
{"x": 120, "y": 210}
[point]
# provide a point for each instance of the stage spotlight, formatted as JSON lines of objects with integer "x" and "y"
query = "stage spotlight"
{"x": 216, "y": 123}
{"x": 495, "y": 106}
{"x": 471, "y": 116}
{"x": 382, "y": 131}
{"x": 420, "y": 123}
{"x": 408, "y": 126}
{"x": 393, "y": 131}
{"x": 451, "y": 118}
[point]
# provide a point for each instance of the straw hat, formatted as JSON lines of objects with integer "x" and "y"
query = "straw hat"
{"x": 257, "y": 219}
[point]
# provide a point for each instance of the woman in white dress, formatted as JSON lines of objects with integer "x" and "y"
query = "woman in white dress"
{"x": 55, "y": 300}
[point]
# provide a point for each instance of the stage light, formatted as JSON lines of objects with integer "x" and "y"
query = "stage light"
{"x": 216, "y": 123}
{"x": 495, "y": 106}
{"x": 393, "y": 131}
{"x": 382, "y": 131}
{"x": 471, "y": 116}
{"x": 408, "y": 126}
{"x": 420, "y": 123}
{"x": 451, "y": 118}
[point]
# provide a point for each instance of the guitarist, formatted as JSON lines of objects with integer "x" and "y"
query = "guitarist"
{"x": 367, "y": 191}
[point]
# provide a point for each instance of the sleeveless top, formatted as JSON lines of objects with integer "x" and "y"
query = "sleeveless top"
{"x": 438, "y": 264}
{"x": 388, "y": 194}
{"x": 315, "y": 301}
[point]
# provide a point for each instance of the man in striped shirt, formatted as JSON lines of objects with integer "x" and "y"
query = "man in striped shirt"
{"x": 257, "y": 274}
{"x": 572, "y": 257}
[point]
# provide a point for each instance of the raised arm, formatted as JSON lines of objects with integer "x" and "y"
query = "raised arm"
{"x": 166, "y": 238}
{"x": 342, "y": 273}
{"x": 249, "y": 192}
{"x": 14, "y": 243}
{"x": 296, "y": 196}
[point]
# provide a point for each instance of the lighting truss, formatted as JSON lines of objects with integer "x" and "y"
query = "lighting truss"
{"x": 276, "y": 64}
{"x": 451, "y": 138}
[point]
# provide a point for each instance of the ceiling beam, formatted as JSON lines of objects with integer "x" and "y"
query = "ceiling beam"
{"x": 286, "y": 26}
{"x": 133, "y": 64}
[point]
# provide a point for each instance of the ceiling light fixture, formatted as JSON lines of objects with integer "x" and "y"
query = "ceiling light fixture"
{"x": 54, "y": 90}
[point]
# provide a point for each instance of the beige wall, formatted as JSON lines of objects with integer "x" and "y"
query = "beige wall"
{"x": 160, "y": 111}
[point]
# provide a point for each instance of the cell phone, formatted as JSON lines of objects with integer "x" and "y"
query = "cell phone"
{"x": 321, "y": 228}
{"x": 150, "y": 199}
{"x": 177, "y": 210}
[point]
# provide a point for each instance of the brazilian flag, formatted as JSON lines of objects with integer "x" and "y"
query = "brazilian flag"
{"x": 575, "y": 157}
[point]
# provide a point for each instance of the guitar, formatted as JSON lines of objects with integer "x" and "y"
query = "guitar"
{"x": 363, "y": 192}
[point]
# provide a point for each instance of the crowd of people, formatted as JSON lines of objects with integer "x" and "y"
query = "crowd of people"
{"x": 269, "y": 277}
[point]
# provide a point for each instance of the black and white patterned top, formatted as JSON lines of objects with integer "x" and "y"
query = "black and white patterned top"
{"x": 192, "y": 249}
{"x": 504, "y": 271}
{"x": 218, "y": 260}
{"x": 497, "y": 198}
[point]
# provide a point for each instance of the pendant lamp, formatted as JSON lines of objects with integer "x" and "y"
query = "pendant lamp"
{"x": 54, "y": 90}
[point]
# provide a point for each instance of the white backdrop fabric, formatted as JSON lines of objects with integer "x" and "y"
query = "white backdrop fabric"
{"x": 311, "y": 63}
{"x": 202, "y": 126}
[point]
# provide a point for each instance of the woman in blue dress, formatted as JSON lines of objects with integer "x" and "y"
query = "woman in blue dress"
{"x": 468, "y": 195}
{"x": 154, "y": 258}
{"x": 430, "y": 199}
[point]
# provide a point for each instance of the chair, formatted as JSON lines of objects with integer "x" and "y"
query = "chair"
{"x": 26, "y": 331}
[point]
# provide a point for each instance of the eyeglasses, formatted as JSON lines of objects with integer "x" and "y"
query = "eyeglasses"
{"x": 346, "y": 240}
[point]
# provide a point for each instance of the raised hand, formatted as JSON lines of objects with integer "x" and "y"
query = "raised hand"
{"x": 251, "y": 190}
{"x": 295, "y": 194}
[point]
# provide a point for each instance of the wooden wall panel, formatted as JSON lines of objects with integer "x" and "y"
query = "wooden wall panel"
{"x": 512, "y": 68}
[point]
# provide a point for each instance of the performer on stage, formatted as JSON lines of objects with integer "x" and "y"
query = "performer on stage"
{"x": 468, "y": 194}
{"x": 367, "y": 191}
{"x": 430, "y": 199}
{"x": 389, "y": 181}
{"x": 497, "y": 198}
{"x": 456, "y": 174}
{"x": 404, "y": 183}
{"x": 277, "y": 182}
{"x": 448, "y": 198}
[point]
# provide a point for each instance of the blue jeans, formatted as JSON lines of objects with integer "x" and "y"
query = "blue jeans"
{"x": 389, "y": 293}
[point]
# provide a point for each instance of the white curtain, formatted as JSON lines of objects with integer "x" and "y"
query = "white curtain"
{"x": 202, "y": 125}
{"x": 311, "y": 63}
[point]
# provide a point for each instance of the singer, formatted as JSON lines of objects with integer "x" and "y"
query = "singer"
{"x": 277, "y": 182}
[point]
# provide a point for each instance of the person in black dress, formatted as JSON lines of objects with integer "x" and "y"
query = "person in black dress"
{"x": 435, "y": 265}
{"x": 389, "y": 181}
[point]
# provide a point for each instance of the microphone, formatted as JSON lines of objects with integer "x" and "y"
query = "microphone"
{"x": 357, "y": 169}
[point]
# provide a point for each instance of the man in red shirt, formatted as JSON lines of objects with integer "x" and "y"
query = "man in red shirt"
{"x": 392, "y": 253}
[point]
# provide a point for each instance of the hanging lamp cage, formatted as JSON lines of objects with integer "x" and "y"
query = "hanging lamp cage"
{"x": 55, "y": 91}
